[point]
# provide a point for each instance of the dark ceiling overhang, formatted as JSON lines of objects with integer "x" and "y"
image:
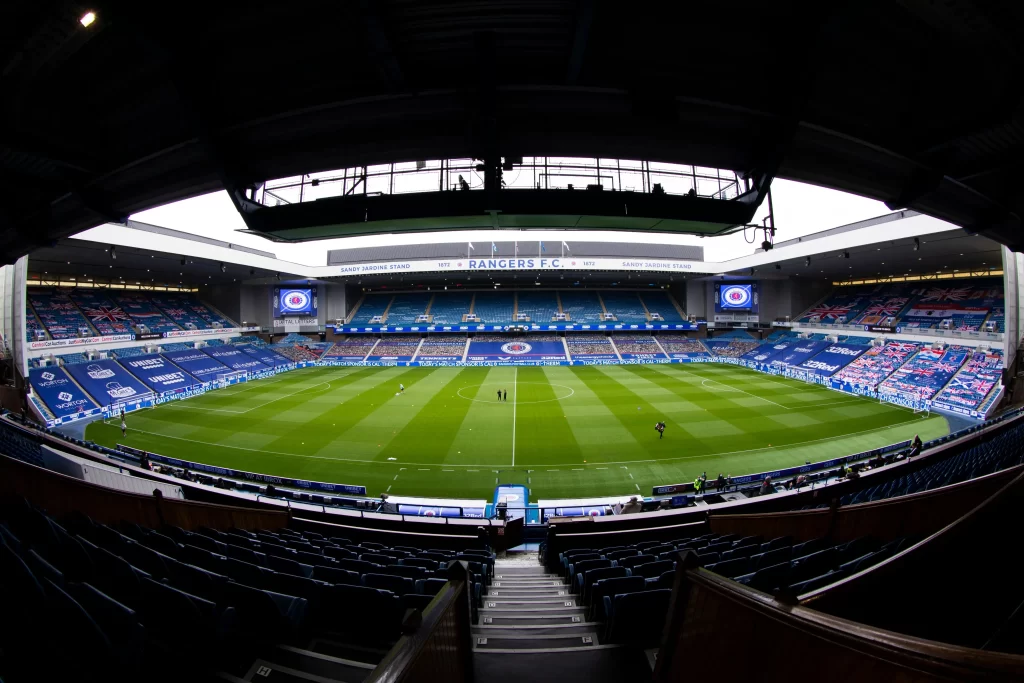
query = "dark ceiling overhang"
{"x": 914, "y": 104}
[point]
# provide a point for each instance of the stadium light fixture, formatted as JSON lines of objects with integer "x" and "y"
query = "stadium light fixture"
{"x": 87, "y": 19}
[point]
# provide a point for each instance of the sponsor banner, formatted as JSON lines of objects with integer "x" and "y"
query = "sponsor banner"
{"x": 158, "y": 373}
{"x": 799, "y": 352}
{"x": 515, "y": 350}
{"x": 318, "y": 486}
{"x": 107, "y": 382}
{"x": 265, "y": 356}
{"x": 883, "y": 328}
{"x": 249, "y": 328}
{"x": 197, "y": 364}
{"x": 61, "y": 395}
{"x": 391, "y": 358}
{"x": 301, "y": 322}
{"x": 507, "y": 264}
{"x": 529, "y": 327}
{"x": 200, "y": 333}
{"x": 592, "y": 356}
{"x": 643, "y": 356}
{"x": 80, "y": 341}
{"x": 439, "y": 511}
{"x": 232, "y": 357}
{"x": 430, "y": 358}
{"x": 833, "y": 358}
{"x": 149, "y": 335}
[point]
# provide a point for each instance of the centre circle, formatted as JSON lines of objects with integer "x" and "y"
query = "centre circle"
{"x": 570, "y": 391}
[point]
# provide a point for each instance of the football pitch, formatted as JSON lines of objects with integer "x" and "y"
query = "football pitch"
{"x": 564, "y": 432}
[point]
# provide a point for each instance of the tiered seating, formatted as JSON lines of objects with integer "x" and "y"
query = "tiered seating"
{"x": 661, "y": 303}
{"x": 406, "y": 307}
{"x": 541, "y": 306}
{"x": 581, "y": 306}
{"x": 625, "y": 306}
{"x": 120, "y": 599}
{"x": 682, "y": 345}
{"x": 372, "y": 306}
{"x": 252, "y": 340}
{"x": 878, "y": 363}
{"x": 353, "y": 348}
{"x": 58, "y": 313}
{"x": 443, "y": 347}
{"x": 294, "y": 352}
{"x": 589, "y": 345}
{"x": 293, "y": 338}
{"x": 449, "y": 307}
{"x": 998, "y": 316}
{"x": 843, "y": 339}
{"x": 533, "y": 337}
{"x": 214, "y": 342}
{"x": 926, "y": 373}
{"x": 73, "y": 358}
{"x": 494, "y": 307}
{"x": 33, "y": 327}
{"x": 731, "y": 343}
{"x": 400, "y": 346}
{"x": 177, "y": 308}
{"x": 106, "y": 316}
{"x": 633, "y": 344}
{"x": 1004, "y": 450}
{"x": 143, "y": 312}
{"x": 129, "y": 351}
{"x": 176, "y": 346}
{"x": 317, "y": 348}
{"x": 975, "y": 381}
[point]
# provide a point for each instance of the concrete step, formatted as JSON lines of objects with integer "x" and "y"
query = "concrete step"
{"x": 533, "y": 583}
{"x": 532, "y": 642}
{"x": 286, "y": 659}
{"x": 583, "y": 629}
{"x": 495, "y": 618}
{"x": 499, "y": 602}
{"x": 519, "y": 570}
{"x": 528, "y": 592}
{"x": 567, "y": 606}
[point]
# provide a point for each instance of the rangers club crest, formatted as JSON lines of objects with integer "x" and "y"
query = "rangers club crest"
{"x": 516, "y": 348}
{"x": 295, "y": 300}
{"x": 736, "y": 296}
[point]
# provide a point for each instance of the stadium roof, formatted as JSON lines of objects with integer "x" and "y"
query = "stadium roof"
{"x": 915, "y": 104}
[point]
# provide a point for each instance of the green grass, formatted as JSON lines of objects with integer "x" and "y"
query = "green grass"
{"x": 564, "y": 432}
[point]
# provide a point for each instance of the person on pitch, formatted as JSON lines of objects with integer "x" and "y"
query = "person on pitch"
{"x": 504, "y": 395}
{"x": 660, "y": 428}
{"x": 124, "y": 425}
{"x": 499, "y": 395}
{"x": 401, "y": 388}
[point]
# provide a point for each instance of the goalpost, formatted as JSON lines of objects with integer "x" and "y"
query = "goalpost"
{"x": 226, "y": 378}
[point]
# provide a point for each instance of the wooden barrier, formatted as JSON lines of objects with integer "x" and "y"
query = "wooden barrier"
{"x": 59, "y": 495}
{"x": 440, "y": 646}
{"x": 747, "y": 635}
{"x": 961, "y": 585}
{"x": 911, "y": 515}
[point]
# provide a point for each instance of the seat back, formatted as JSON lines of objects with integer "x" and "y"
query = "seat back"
{"x": 634, "y": 560}
{"x": 653, "y": 569}
{"x": 399, "y": 585}
{"x": 592, "y": 576}
{"x": 638, "y": 618}
{"x": 429, "y": 565}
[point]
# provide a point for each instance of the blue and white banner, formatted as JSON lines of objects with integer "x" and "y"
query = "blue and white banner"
{"x": 160, "y": 374}
{"x": 265, "y": 356}
{"x": 533, "y": 327}
{"x": 515, "y": 351}
{"x": 197, "y": 363}
{"x": 59, "y": 393}
{"x": 440, "y": 511}
{"x": 107, "y": 382}
{"x": 233, "y": 358}
{"x": 495, "y": 263}
{"x": 799, "y": 352}
{"x": 833, "y": 358}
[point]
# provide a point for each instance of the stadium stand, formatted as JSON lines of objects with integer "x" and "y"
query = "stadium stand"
{"x": 975, "y": 381}
{"x": 352, "y": 348}
{"x": 178, "y": 309}
{"x": 34, "y": 329}
{"x": 251, "y": 339}
{"x": 926, "y": 372}
{"x": 107, "y": 317}
{"x": 58, "y": 314}
{"x": 294, "y": 352}
{"x": 636, "y": 344}
{"x": 581, "y": 306}
{"x": 589, "y": 345}
{"x": 966, "y": 304}
{"x": 128, "y": 351}
{"x": 72, "y": 358}
{"x": 662, "y": 304}
{"x": 539, "y": 306}
{"x": 143, "y": 312}
{"x": 449, "y": 307}
{"x": 293, "y": 338}
{"x": 176, "y": 346}
{"x": 372, "y": 305}
{"x": 844, "y": 339}
{"x": 531, "y": 337}
{"x": 878, "y": 363}
{"x": 731, "y": 344}
{"x": 626, "y": 306}
{"x": 405, "y": 308}
{"x": 443, "y": 347}
{"x": 316, "y": 348}
{"x": 401, "y": 347}
{"x": 494, "y": 307}
{"x": 679, "y": 345}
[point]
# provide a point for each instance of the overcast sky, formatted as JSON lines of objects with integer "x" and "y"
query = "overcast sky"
{"x": 799, "y": 210}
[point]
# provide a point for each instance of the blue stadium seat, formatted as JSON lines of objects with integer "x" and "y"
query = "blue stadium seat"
{"x": 430, "y": 586}
{"x": 592, "y": 576}
{"x": 579, "y": 569}
{"x": 634, "y": 560}
{"x": 399, "y": 585}
{"x": 652, "y": 569}
{"x": 636, "y": 618}
{"x": 336, "y": 575}
{"x": 613, "y": 586}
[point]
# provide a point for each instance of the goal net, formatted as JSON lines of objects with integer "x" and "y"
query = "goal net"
{"x": 225, "y": 378}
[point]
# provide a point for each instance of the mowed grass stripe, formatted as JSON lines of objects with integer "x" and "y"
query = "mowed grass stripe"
{"x": 541, "y": 425}
{"x": 484, "y": 439}
{"x": 431, "y": 428}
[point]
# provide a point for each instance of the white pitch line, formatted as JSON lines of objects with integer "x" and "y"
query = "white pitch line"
{"x": 515, "y": 381}
{"x": 916, "y": 417}
{"x": 389, "y": 488}
{"x": 732, "y": 388}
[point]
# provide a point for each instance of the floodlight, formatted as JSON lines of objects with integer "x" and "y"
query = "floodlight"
{"x": 87, "y": 19}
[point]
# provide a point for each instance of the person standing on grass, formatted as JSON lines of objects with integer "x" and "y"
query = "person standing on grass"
{"x": 499, "y": 395}
{"x": 660, "y": 428}
{"x": 504, "y": 395}
{"x": 124, "y": 425}
{"x": 401, "y": 388}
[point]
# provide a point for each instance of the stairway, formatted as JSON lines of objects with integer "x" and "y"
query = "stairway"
{"x": 533, "y": 628}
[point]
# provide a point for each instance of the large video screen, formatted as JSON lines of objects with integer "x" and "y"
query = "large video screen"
{"x": 735, "y": 296}
{"x": 294, "y": 302}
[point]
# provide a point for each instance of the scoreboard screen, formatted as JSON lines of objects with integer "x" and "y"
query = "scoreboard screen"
{"x": 735, "y": 296}
{"x": 294, "y": 302}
